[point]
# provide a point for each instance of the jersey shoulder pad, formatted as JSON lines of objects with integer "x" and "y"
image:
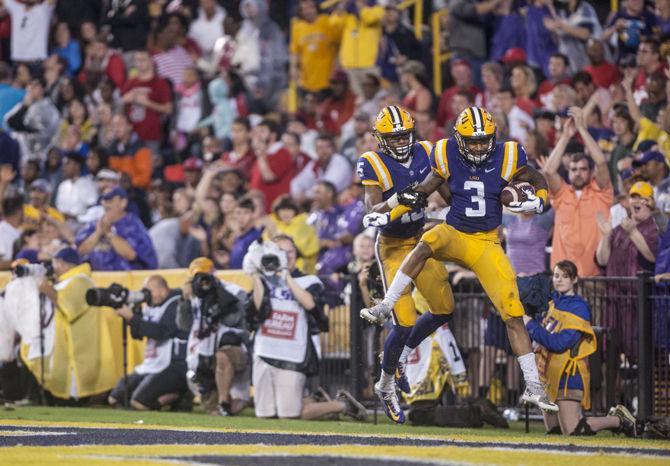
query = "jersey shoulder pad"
{"x": 423, "y": 146}
{"x": 439, "y": 161}
{"x": 372, "y": 171}
{"x": 514, "y": 157}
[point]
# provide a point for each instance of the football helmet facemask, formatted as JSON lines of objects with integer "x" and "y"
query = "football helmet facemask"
{"x": 394, "y": 131}
{"x": 475, "y": 133}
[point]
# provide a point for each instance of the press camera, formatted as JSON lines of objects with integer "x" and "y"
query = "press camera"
{"x": 116, "y": 296}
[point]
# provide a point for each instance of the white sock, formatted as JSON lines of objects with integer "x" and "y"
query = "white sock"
{"x": 529, "y": 368}
{"x": 395, "y": 290}
{"x": 403, "y": 356}
{"x": 386, "y": 380}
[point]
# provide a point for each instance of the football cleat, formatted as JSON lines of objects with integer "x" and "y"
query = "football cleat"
{"x": 401, "y": 379}
{"x": 377, "y": 314}
{"x": 628, "y": 425}
{"x": 536, "y": 394}
{"x": 390, "y": 402}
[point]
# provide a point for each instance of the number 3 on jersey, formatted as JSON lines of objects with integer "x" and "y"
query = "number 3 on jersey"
{"x": 478, "y": 198}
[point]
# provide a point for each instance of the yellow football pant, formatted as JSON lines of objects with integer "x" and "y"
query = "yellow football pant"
{"x": 432, "y": 282}
{"x": 481, "y": 253}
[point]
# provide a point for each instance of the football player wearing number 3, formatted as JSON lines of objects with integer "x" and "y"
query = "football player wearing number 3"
{"x": 473, "y": 169}
{"x": 389, "y": 175}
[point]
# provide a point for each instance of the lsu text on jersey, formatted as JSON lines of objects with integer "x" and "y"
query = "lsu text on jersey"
{"x": 470, "y": 236}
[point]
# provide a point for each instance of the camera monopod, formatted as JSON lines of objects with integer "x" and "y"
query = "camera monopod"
{"x": 44, "y": 322}
{"x": 124, "y": 344}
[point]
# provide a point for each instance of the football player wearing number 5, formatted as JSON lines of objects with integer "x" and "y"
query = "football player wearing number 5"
{"x": 474, "y": 170}
{"x": 389, "y": 176}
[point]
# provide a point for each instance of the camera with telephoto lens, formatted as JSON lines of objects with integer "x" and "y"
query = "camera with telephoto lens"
{"x": 203, "y": 284}
{"x": 44, "y": 269}
{"x": 116, "y": 296}
{"x": 270, "y": 263}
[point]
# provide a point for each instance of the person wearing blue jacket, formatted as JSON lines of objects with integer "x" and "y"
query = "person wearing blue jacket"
{"x": 563, "y": 341}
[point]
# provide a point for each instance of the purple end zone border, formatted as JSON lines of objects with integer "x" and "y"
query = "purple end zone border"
{"x": 76, "y": 436}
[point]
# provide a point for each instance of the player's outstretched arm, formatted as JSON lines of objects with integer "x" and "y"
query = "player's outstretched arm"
{"x": 425, "y": 189}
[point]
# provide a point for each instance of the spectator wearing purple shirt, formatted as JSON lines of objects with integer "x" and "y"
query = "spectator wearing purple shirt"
{"x": 540, "y": 43}
{"x": 526, "y": 237}
{"x": 336, "y": 226}
{"x": 248, "y": 233}
{"x": 118, "y": 240}
{"x": 506, "y": 22}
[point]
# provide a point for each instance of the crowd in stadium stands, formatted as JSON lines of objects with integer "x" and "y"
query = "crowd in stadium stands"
{"x": 148, "y": 133}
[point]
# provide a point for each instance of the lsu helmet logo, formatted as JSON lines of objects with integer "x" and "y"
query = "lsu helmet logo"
{"x": 394, "y": 131}
{"x": 475, "y": 133}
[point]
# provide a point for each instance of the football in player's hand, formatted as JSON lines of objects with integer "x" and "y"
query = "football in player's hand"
{"x": 516, "y": 192}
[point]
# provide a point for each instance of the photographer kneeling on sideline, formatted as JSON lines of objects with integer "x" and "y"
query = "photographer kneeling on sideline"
{"x": 72, "y": 369}
{"x": 218, "y": 360}
{"x": 288, "y": 318}
{"x": 161, "y": 378}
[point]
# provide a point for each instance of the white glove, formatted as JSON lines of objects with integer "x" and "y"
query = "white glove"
{"x": 251, "y": 262}
{"x": 533, "y": 204}
{"x": 375, "y": 219}
{"x": 248, "y": 265}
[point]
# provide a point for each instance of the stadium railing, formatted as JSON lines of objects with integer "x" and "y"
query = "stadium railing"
{"x": 631, "y": 317}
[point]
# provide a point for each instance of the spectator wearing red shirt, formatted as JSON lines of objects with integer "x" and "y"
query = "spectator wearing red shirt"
{"x": 241, "y": 156}
{"x": 461, "y": 73}
{"x": 100, "y": 59}
{"x": 147, "y": 98}
{"x": 337, "y": 109}
{"x": 559, "y": 68}
{"x": 648, "y": 60}
{"x": 604, "y": 73}
{"x": 273, "y": 169}
{"x": 419, "y": 97}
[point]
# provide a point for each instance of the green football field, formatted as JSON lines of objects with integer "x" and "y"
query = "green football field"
{"x": 97, "y": 436}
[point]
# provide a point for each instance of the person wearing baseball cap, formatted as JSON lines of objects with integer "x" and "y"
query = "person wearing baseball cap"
{"x": 631, "y": 246}
{"x": 625, "y": 251}
{"x": 223, "y": 337}
{"x": 73, "y": 367}
{"x": 39, "y": 193}
{"x": 192, "y": 171}
{"x": 652, "y": 167}
{"x": 118, "y": 240}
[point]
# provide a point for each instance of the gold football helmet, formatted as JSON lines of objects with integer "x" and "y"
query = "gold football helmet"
{"x": 394, "y": 130}
{"x": 475, "y": 133}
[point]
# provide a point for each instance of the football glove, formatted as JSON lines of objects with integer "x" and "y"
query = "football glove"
{"x": 375, "y": 219}
{"x": 532, "y": 204}
{"x": 410, "y": 198}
